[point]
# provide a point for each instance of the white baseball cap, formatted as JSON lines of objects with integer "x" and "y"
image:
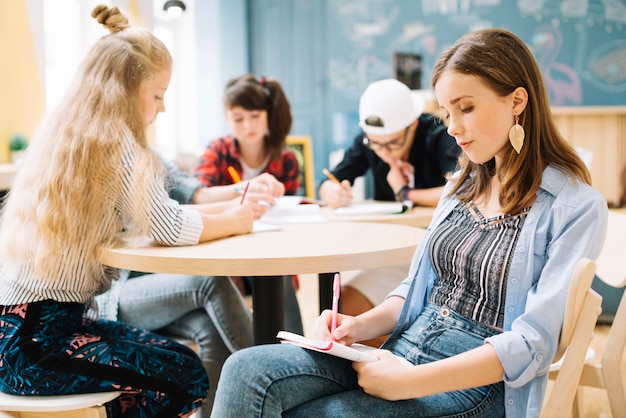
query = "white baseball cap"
{"x": 388, "y": 106}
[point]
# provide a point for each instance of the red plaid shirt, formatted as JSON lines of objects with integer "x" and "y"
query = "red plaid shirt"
{"x": 223, "y": 152}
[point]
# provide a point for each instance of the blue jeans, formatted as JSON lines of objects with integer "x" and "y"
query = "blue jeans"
{"x": 206, "y": 309}
{"x": 289, "y": 381}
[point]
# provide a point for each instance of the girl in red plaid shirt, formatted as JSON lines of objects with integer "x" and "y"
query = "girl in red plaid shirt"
{"x": 259, "y": 116}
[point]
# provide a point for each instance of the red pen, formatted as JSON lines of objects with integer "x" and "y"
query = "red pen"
{"x": 336, "y": 292}
{"x": 244, "y": 193}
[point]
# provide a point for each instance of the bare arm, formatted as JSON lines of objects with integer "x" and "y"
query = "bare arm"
{"x": 210, "y": 208}
{"x": 421, "y": 197}
{"x": 263, "y": 184}
{"x": 234, "y": 221}
{"x": 215, "y": 194}
{"x": 389, "y": 379}
{"x": 426, "y": 197}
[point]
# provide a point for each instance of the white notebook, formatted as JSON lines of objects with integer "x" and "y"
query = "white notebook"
{"x": 374, "y": 208}
{"x": 290, "y": 210}
{"x": 354, "y": 352}
{"x": 258, "y": 226}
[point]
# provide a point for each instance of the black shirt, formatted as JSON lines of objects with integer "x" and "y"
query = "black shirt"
{"x": 434, "y": 154}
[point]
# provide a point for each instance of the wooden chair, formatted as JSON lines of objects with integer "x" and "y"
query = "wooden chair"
{"x": 301, "y": 145}
{"x": 581, "y": 313}
{"x": 88, "y": 405}
{"x": 607, "y": 374}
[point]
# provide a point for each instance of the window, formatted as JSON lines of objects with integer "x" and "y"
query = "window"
{"x": 68, "y": 33}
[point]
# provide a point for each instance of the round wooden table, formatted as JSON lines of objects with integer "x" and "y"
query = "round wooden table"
{"x": 294, "y": 249}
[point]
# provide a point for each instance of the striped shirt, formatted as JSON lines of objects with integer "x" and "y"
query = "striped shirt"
{"x": 169, "y": 225}
{"x": 471, "y": 257}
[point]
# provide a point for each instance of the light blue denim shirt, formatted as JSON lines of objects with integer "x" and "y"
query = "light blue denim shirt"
{"x": 567, "y": 222}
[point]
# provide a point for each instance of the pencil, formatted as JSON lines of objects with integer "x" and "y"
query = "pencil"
{"x": 243, "y": 196}
{"x": 330, "y": 175}
{"x": 233, "y": 174}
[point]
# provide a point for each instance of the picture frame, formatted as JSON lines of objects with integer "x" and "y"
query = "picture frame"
{"x": 302, "y": 147}
{"x": 407, "y": 68}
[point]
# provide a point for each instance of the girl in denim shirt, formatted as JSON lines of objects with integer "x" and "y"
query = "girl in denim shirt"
{"x": 480, "y": 312}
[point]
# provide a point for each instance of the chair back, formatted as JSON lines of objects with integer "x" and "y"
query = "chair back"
{"x": 612, "y": 271}
{"x": 302, "y": 146}
{"x": 579, "y": 286}
{"x": 581, "y": 314}
{"x": 607, "y": 373}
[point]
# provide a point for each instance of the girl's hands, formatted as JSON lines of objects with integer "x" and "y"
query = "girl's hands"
{"x": 347, "y": 331}
{"x": 400, "y": 174}
{"x": 336, "y": 195}
{"x": 386, "y": 378}
{"x": 241, "y": 217}
{"x": 259, "y": 203}
{"x": 266, "y": 183}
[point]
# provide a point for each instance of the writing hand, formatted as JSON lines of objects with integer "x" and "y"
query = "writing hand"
{"x": 345, "y": 333}
{"x": 336, "y": 195}
{"x": 242, "y": 217}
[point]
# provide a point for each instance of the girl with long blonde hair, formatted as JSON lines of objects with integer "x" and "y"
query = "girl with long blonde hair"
{"x": 89, "y": 175}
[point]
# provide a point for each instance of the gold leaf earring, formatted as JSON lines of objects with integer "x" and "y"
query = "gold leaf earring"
{"x": 516, "y": 135}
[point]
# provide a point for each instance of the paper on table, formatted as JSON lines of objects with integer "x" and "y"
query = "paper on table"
{"x": 289, "y": 210}
{"x": 355, "y": 352}
{"x": 259, "y": 226}
{"x": 374, "y": 208}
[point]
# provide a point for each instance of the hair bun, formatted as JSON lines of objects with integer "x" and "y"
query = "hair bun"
{"x": 110, "y": 17}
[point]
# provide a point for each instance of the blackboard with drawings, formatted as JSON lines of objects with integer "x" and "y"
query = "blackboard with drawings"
{"x": 580, "y": 45}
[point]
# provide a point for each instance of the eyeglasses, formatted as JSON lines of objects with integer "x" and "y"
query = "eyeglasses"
{"x": 393, "y": 145}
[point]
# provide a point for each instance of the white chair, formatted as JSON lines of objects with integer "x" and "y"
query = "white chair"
{"x": 88, "y": 405}
{"x": 607, "y": 374}
{"x": 581, "y": 313}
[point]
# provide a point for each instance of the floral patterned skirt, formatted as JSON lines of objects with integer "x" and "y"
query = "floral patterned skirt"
{"x": 51, "y": 348}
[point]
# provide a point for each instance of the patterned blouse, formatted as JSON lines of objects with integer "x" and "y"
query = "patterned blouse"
{"x": 224, "y": 152}
{"x": 471, "y": 257}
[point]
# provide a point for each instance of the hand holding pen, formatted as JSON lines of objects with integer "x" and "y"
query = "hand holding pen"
{"x": 335, "y": 193}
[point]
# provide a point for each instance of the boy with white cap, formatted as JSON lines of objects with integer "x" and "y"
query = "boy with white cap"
{"x": 409, "y": 153}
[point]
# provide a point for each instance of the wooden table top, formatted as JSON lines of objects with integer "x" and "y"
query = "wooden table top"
{"x": 295, "y": 249}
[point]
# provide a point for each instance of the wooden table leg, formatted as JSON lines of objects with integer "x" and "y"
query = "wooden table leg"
{"x": 267, "y": 308}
